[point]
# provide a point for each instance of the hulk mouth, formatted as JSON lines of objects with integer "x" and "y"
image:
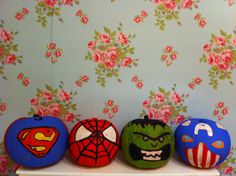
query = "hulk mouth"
{"x": 149, "y": 155}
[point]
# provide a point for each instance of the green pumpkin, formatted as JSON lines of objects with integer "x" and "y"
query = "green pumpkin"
{"x": 147, "y": 143}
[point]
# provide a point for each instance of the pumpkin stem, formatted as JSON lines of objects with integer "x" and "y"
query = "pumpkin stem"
{"x": 37, "y": 117}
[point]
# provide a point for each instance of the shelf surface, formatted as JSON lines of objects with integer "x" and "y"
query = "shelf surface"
{"x": 117, "y": 168}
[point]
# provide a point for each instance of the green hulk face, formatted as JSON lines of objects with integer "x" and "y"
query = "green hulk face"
{"x": 147, "y": 143}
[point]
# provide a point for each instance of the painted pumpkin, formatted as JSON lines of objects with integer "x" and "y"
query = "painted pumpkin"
{"x": 202, "y": 143}
{"x": 94, "y": 142}
{"x": 147, "y": 143}
{"x": 36, "y": 141}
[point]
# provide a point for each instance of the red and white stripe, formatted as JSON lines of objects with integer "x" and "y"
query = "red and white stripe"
{"x": 201, "y": 157}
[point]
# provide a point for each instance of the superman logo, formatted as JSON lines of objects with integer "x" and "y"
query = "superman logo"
{"x": 38, "y": 141}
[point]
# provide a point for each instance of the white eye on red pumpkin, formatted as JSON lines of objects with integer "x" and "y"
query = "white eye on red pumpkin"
{"x": 110, "y": 134}
{"x": 186, "y": 138}
{"x": 218, "y": 144}
{"x": 82, "y": 133}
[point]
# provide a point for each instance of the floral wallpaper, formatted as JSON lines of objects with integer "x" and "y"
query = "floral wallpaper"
{"x": 118, "y": 60}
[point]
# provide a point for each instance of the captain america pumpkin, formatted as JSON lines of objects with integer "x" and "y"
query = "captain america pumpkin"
{"x": 202, "y": 143}
{"x": 94, "y": 142}
{"x": 35, "y": 142}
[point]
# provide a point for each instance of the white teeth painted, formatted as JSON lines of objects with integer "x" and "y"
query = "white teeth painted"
{"x": 151, "y": 155}
{"x": 152, "y": 158}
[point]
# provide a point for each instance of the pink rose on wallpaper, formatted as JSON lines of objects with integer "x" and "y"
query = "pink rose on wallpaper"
{"x": 137, "y": 82}
{"x": 122, "y": 38}
{"x": 110, "y": 109}
{"x": 197, "y": 16}
{"x": 5, "y": 36}
{"x": 164, "y": 105}
{"x": 105, "y": 38}
{"x": 91, "y": 44}
{"x": 176, "y": 98}
{"x": 83, "y": 79}
{"x": 55, "y": 102}
{"x": 3, "y": 107}
{"x": 219, "y": 54}
{"x": 69, "y": 117}
{"x": 220, "y": 41}
{"x": 79, "y": 13}
{"x": 220, "y": 110}
{"x": 178, "y": 119}
{"x": 230, "y": 2}
{"x": 200, "y": 20}
{"x": 34, "y": 101}
{"x": 50, "y": 3}
{"x": 227, "y": 170}
{"x": 25, "y": 81}
{"x": 53, "y": 52}
{"x": 51, "y": 8}
{"x": 20, "y": 15}
{"x": 10, "y": 59}
{"x": 3, "y": 163}
{"x": 66, "y": 2}
{"x": 111, "y": 52}
{"x": 234, "y": 41}
{"x": 140, "y": 18}
{"x": 64, "y": 96}
{"x": 169, "y": 4}
{"x": 187, "y": 4}
{"x": 126, "y": 62}
{"x": 169, "y": 10}
{"x": 195, "y": 82}
{"x": 25, "y": 11}
{"x": 47, "y": 95}
{"x": 226, "y": 167}
{"x": 207, "y": 47}
{"x": 20, "y": 76}
{"x": 169, "y": 55}
{"x": 84, "y": 19}
{"x": 137, "y": 19}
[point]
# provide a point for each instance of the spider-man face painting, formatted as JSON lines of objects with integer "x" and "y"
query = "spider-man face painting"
{"x": 93, "y": 142}
{"x": 202, "y": 143}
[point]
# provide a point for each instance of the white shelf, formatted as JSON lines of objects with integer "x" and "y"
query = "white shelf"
{"x": 117, "y": 168}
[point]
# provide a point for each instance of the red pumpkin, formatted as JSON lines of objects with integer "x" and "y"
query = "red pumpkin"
{"x": 94, "y": 142}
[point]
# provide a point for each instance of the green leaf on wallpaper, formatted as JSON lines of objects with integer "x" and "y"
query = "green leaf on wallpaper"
{"x": 73, "y": 107}
{"x": 97, "y": 34}
{"x": 229, "y": 37}
{"x": 107, "y": 30}
{"x": 169, "y": 17}
{"x": 131, "y": 50}
{"x": 162, "y": 90}
{"x": 223, "y": 33}
{"x": 101, "y": 65}
{"x": 14, "y": 48}
{"x": 57, "y": 12}
{"x": 109, "y": 74}
{"x": 41, "y": 4}
{"x": 48, "y": 87}
{"x": 113, "y": 34}
{"x": 152, "y": 93}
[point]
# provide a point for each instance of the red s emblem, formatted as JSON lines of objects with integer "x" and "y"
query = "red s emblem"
{"x": 39, "y": 140}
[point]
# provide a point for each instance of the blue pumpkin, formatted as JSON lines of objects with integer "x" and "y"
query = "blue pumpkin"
{"x": 36, "y": 141}
{"x": 202, "y": 143}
